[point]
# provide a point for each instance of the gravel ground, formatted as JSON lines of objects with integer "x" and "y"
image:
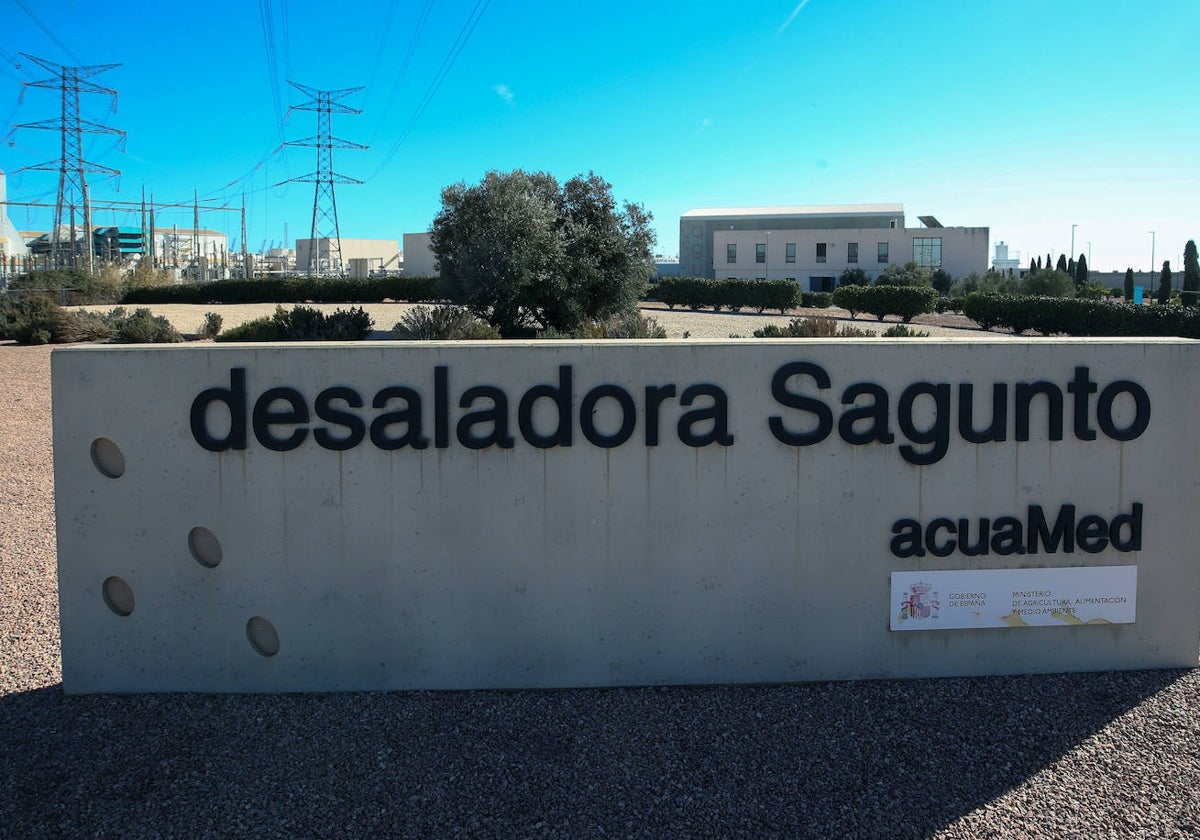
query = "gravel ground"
{"x": 1084, "y": 755}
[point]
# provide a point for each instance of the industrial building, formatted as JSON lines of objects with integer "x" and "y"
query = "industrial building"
{"x": 813, "y": 245}
{"x": 360, "y": 257}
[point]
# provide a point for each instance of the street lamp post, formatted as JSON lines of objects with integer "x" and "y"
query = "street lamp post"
{"x": 1153, "y": 234}
{"x": 1072, "y": 254}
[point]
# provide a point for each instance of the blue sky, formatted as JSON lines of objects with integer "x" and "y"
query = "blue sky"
{"x": 1022, "y": 116}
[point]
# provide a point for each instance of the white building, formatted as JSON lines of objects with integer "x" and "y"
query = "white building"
{"x": 13, "y": 252}
{"x": 419, "y": 259}
{"x": 814, "y": 245}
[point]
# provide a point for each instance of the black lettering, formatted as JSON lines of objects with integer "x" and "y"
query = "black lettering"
{"x": 793, "y": 400}
{"x": 326, "y": 412}
{"x": 875, "y": 411}
{"x": 906, "y": 541}
{"x": 1141, "y": 416}
{"x": 938, "y": 434}
{"x": 947, "y": 548}
{"x": 561, "y": 397}
{"x": 496, "y": 415}
{"x": 234, "y": 398}
{"x": 265, "y": 418}
{"x": 587, "y": 419}
{"x": 1008, "y": 536}
{"x": 1063, "y": 533}
{"x": 1134, "y": 521}
{"x": 981, "y": 544}
{"x": 998, "y": 430}
{"x": 655, "y": 394}
{"x": 1082, "y": 387}
{"x": 718, "y": 413}
{"x": 1026, "y": 391}
{"x": 410, "y": 417}
{"x": 441, "y": 407}
{"x": 1092, "y": 534}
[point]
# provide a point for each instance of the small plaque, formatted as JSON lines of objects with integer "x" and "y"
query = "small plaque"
{"x": 969, "y": 598}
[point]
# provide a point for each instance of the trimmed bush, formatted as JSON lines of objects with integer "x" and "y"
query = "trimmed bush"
{"x": 1080, "y": 317}
{"x": 294, "y": 290}
{"x": 904, "y": 301}
{"x": 733, "y": 294}
{"x": 144, "y": 328}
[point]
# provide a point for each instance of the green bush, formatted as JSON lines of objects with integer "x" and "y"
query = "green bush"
{"x": 904, "y": 301}
{"x": 630, "y": 324}
{"x": 815, "y": 300}
{"x": 903, "y": 331}
{"x": 909, "y": 274}
{"x": 1080, "y": 317}
{"x": 732, "y": 294}
{"x": 303, "y": 323}
{"x": 293, "y": 290}
{"x": 142, "y": 327}
{"x": 212, "y": 325}
{"x": 1047, "y": 283}
{"x": 82, "y": 288}
{"x": 948, "y": 304}
{"x": 812, "y": 326}
{"x": 854, "y": 277}
{"x": 442, "y": 323}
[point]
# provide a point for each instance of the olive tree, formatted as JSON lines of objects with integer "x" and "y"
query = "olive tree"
{"x": 524, "y": 253}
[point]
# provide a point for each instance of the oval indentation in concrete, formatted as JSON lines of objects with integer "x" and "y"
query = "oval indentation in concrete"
{"x": 205, "y": 547}
{"x": 118, "y": 596}
{"x": 108, "y": 458}
{"x": 262, "y": 636}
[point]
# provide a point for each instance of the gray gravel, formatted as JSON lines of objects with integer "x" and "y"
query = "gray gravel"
{"x": 1085, "y": 755}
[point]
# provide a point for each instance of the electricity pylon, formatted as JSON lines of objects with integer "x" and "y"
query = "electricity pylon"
{"x": 72, "y": 183}
{"x": 324, "y": 219}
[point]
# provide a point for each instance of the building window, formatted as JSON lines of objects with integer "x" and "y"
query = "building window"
{"x": 731, "y": 253}
{"x": 851, "y": 252}
{"x": 883, "y": 253}
{"x": 822, "y": 251}
{"x": 760, "y": 252}
{"x": 789, "y": 252}
{"x": 927, "y": 251}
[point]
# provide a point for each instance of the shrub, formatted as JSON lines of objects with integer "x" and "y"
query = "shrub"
{"x": 303, "y": 323}
{"x": 622, "y": 325}
{"x": 1047, "y": 283}
{"x": 903, "y": 331}
{"x": 442, "y": 323}
{"x": 733, "y": 294}
{"x": 1080, "y": 317}
{"x": 948, "y": 304}
{"x": 293, "y": 290}
{"x": 909, "y": 274}
{"x": 815, "y": 300}
{"x": 812, "y": 326}
{"x": 854, "y": 277}
{"x": 905, "y": 301}
{"x": 81, "y": 287}
{"x": 212, "y": 325}
{"x": 142, "y": 327}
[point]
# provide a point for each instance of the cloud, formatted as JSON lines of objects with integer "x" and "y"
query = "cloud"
{"x": 505, "y": 92}
{"x": 799, "y": 7}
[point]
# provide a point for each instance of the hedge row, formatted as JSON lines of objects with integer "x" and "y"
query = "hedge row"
{"x": 293, "y": 290}
{"x": 1079, "y": 317}
{"x": 735, "y": 295}
{"x": 880, "y": 301}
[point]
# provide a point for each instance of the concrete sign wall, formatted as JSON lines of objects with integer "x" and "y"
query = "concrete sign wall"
{"x": 393, "y": 516}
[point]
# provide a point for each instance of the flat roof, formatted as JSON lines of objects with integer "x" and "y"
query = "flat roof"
{"x": 797, "y": 210}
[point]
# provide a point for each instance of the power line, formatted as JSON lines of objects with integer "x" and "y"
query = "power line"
{"x": 464, "y": 35}
{"x": 268, "y": 32}
{"x": 46, "y": 29}
{"x": 412, "y": 47}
